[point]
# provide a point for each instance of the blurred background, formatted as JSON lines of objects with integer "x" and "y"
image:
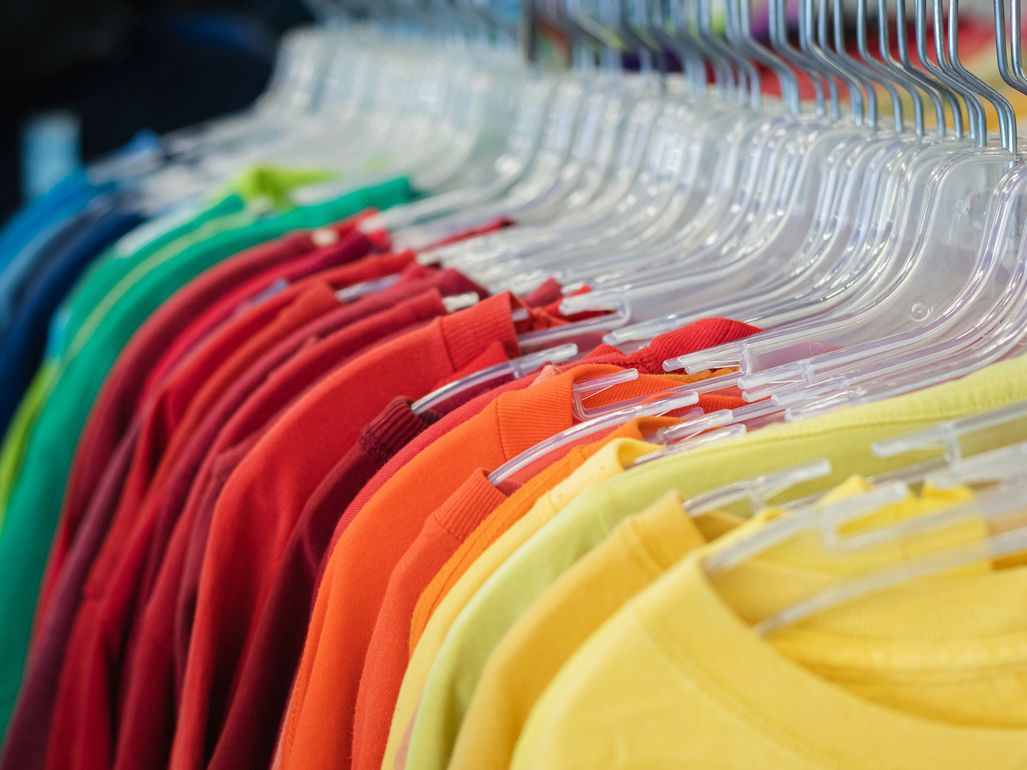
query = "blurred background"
{"x": 82, "y": 78}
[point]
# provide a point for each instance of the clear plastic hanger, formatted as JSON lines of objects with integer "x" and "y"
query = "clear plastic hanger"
{"x": 456, "y": 124}
{"x": 418, "y": 109}
{"x": 996, "y": 162}
{"x": 577, "y": 216}
{"x": 438, "y": 113}
{"x": 954, "y": 440}
{"x": 999, "y": 466}
{"x": 584, "y": 430}
{"x": 340, "y": 45}
{"x": 762, "y": 412}
{"x": 746, "y": 219}
{"x": 590, "y": 213}
{"x": 735, "y": 219}
{"x": 408, "y": 98}
{"x": 510, "y": 166}
{"x": 578, "y": 109}
{"x": 514, "y": 369}
{"x": 470, "y": 159}
{"x": 797, "y": 521}
{"x": 1001, "y": 511}
{"x": 798, "y": 239}
{"x": 540, "y": 451}
{"x": 621, "y": 216}
{"x": 291, "y": 98}
{"x": 644, "y": 331}
{"x": 676, "y": 321}
{"x": 292, "y": 89}
{"x": 212, "y": 167}
{"x": 1000, "y": 331}
{"x": 758, "y": 491}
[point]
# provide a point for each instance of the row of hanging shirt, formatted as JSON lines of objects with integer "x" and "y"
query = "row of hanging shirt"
{"x": 550, "y": 421}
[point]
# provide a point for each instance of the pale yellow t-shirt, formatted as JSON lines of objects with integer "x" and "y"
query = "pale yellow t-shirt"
{"x": 929, "y": 674}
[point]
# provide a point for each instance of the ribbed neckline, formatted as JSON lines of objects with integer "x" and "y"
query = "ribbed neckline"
{"x": 392, "y": 430}
{"x": 691, "y": 338}
{"x": 470, "y": 331}
{"x": 468, "y": 505}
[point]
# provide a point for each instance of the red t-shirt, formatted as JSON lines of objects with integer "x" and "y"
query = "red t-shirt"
{"x": 258, "y": 509}
{"x": 333, "y": 245}
{"x": 255, "y": 269}
{"x": 85, "y": 704}
{"x": 258, "y": 700}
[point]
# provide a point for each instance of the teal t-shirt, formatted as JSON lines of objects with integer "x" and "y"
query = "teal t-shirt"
{"x": 34, "y": 505}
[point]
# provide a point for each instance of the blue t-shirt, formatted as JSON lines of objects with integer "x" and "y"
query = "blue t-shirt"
{"x": 25, "y": 340}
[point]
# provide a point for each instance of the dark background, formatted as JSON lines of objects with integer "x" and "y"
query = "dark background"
{"x": 119, "y": 66}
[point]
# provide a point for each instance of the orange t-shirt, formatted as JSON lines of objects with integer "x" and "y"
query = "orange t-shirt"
{"x": 443, "y": 532}
{"x": 318, "y": 725}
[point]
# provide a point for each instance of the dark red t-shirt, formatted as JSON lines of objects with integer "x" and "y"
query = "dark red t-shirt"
{"x": 265, "y": 675}
{"x": 100, "y": 628}
{"x": 145, "y": 730}
{"x": 269, "y": 489}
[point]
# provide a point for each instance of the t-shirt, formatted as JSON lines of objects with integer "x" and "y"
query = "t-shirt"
{"x": 153, "y": 529}
{"x": 85, "y": 302}
{"x": 443, "y": 532}
{"x": 188, "y": 394}
{"x": 258, "y": 509}
{"x": 550, "y": 543}
{"x": 250, "y": 196}
{"x": 318, "y": 723}
{"x": 926, "y": 674}
{"x": 24, "y": 338}
{"x": 337, "y": 244}
{"x": 28, "y": 729}
{"x": 255, "y": 711}
{"x": 169, "y": 419}
{"x": 610, "y": 460}
{"x": 500, "y": 520}
{"x": 635, "y": 553}
{"x": 32, "y": 510}
{"x": 487, "y": 531}
{"x": 16, "y": 270}
{"x": 67, "y": 197}
{"x": 122, "y": 396}
{"x": 845, "y": 438}
{"x": 260, "y": 696}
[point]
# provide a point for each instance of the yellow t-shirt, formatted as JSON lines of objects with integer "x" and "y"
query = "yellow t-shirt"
{"x": 545, "y": 636}
{"x": 929, "y": 674}
{"x": 616, "y": 568}
{"x": 609, "y": 461}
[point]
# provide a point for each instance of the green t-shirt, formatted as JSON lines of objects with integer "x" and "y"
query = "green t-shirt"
{"x": 35, "y": 501}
